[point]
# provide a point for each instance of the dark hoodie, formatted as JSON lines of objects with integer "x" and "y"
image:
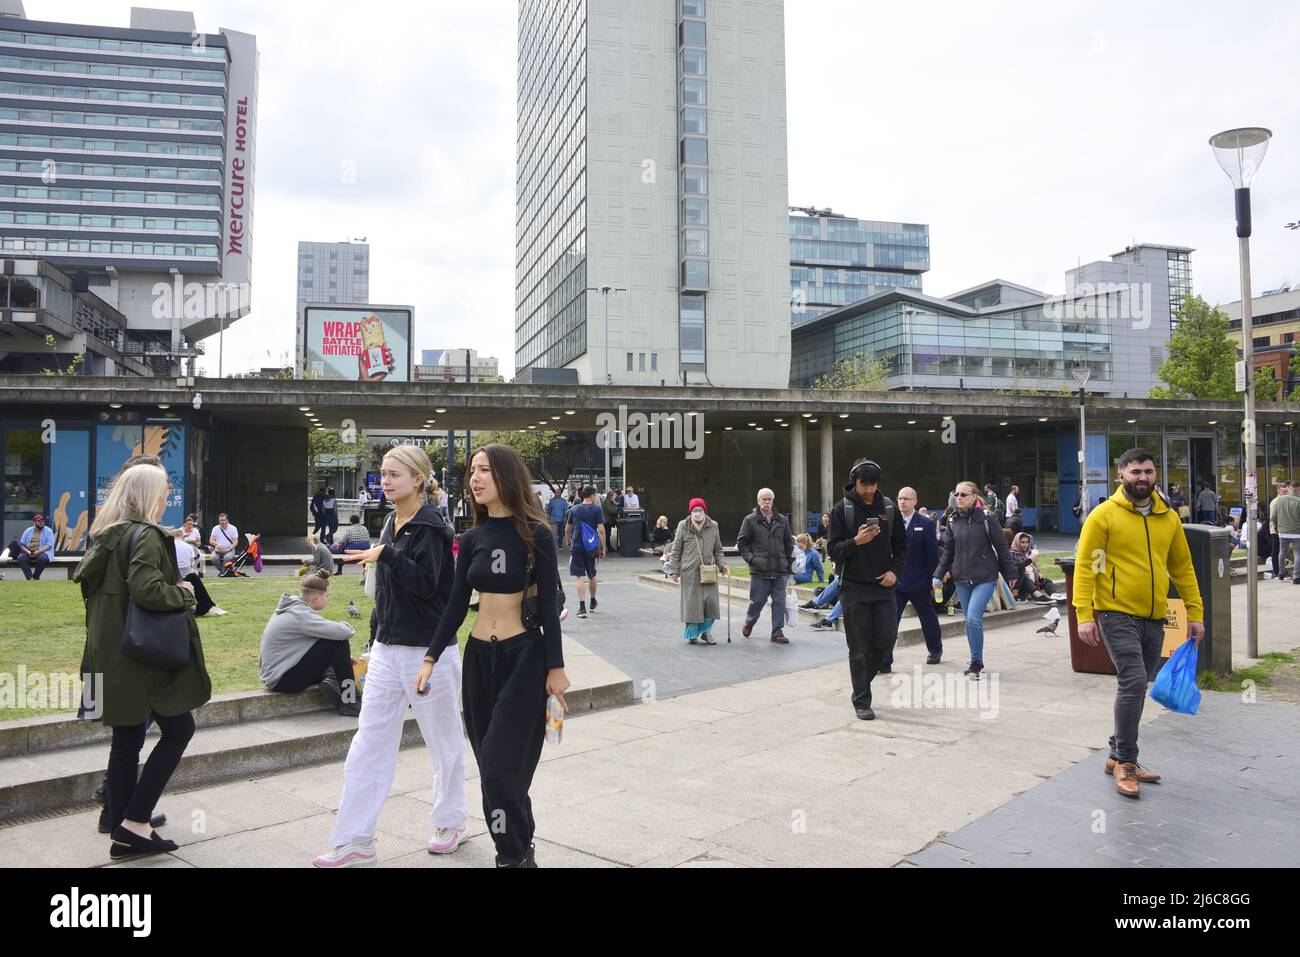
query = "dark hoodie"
{"x": 413, "y": 579}
{"x": 861, "y": 565}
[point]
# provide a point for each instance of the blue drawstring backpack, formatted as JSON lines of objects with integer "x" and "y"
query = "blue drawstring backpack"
{"x": 1175, "y": 685}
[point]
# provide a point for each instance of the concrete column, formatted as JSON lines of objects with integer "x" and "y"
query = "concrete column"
{"x": 798, "y": 476}
{"x": 828, "y": 463}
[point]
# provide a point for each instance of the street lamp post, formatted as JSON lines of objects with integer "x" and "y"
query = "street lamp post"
{"x": 1240, "y": 152}
{"x": 1081, "y": 373}
{"x": 605, "y": 291}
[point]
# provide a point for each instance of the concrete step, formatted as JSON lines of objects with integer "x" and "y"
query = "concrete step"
{"x": 57, "y": 761}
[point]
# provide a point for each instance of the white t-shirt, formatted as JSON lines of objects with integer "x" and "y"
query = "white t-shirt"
{"x": 184, "y": 556}
{"x": 1013, "y": 503}
{"x": 227, "y": 538}
{"x": 630, "y": 500}
{"x": 195, "y": 537}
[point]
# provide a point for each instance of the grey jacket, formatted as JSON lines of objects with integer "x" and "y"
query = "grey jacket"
{"x": 290, "y": 633}
{"x": 766, "y": 545}
{"x": 321, "y": 558}
{"x": 974, "y": 549}
{"x": 690, "y": 549}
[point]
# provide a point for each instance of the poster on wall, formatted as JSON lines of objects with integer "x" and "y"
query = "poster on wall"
{"x": 358, "y": 343}
{"x": 69, "y": 495}
{"x": 165, "y": 438}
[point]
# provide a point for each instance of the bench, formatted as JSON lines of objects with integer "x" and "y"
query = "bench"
{"x": 64, "y": 563}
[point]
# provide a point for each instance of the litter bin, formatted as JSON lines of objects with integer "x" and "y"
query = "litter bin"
{"x": 1085, "y": 659}
{"x": 630, "y": 524}
{"x": 1211, "y": 549}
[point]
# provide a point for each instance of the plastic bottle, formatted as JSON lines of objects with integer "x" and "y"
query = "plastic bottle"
{"x": 554, "y": 720}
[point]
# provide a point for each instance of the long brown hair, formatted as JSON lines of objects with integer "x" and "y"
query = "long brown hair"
{"x": 514, "y": 488}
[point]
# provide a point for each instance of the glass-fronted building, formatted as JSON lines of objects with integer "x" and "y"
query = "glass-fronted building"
{"x": 330, "y": 273}
{"x": 835, "y": 260}
{"x": 128, "y": 154}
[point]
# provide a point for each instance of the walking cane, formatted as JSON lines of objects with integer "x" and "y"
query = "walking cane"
{"x": 728, "y": 575}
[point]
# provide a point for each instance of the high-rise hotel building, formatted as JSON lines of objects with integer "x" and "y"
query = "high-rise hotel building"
{"x": 127, "y": 159}
{"x": 652, "y": 160}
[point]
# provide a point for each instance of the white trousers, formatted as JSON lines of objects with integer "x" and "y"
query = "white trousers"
{"x": 372, "y": 756}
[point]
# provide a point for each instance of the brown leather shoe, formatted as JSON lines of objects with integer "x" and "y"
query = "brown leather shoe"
{"x": 1126, "y": 780}
{"x": 1143, "y": 775}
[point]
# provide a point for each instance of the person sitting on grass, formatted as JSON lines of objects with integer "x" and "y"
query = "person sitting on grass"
{"x": 353, "y": 539}
{"x": 807, "y": 561}
{"x": 322, "y": 560}
{"x": 301, "y": 648}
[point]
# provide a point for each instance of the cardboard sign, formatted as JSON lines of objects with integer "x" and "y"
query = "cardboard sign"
{"x": 1175, "y": 627}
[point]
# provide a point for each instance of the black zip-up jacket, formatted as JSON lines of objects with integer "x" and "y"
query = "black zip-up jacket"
{"x": 974, "y": 549}
{"x": 414, "y": 577}
{"x": 861, "y": 565}
{"x": 766, "y": 545}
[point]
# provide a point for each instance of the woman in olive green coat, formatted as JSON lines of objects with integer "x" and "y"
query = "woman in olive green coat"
{"x": 697, "y": 542}
{"x": 128, "y": 693}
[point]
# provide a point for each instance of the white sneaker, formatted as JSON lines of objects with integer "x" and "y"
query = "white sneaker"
{"x": 215, "y": 612}
{"x": 349, "y": 855}
{"x": 446, "y": 839}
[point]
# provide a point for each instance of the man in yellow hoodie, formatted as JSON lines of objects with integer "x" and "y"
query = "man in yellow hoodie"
{"x": 1131, "y": 546}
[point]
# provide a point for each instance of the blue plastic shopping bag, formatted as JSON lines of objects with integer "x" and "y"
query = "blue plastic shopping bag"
{"x": 1175, "y": 685}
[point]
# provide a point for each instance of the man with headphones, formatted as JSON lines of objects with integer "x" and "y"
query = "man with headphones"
{"x": 868, "y": 542}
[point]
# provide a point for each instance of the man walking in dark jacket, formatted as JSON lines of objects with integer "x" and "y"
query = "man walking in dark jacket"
{"x": 766, "y": 545}
{"x": 868, "y": 543}
{"x": 914, "y": 585}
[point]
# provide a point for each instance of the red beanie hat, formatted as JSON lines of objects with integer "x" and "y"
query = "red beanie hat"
{"x": 699, "y": 502}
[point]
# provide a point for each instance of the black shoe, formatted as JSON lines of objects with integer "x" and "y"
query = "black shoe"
{"x": 974, "y": 668}
{"x": 348, "y": 709}
{"x": 101, "y": 792}
{"x": 582, "y": 611}
{"x": 593, "y": 604}
{"x": 125, "y": 845}
{"x": 809, "y": 605}
{"x": 330, "y": 691}
{"x": 824, "y": 625}
{"x": 866, "y": 714}
{"x": 886, "y": 670}
{"x": 932, "y": 660}
{"x": 528, "y": 861}
{"x": 106, "y": 826}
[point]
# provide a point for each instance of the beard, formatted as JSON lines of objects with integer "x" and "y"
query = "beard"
{"x": 1138, "y": 491}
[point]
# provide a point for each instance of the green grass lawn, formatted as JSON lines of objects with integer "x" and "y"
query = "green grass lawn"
{"x": 45, "y": 627}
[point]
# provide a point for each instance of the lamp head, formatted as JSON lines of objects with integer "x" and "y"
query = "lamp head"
{"x": 1240, "y": 152}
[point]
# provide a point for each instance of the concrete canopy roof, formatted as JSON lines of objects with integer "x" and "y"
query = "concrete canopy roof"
{"x": 493, "y": 406}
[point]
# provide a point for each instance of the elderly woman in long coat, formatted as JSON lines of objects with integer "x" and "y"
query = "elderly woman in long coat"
{"x": 697, "y": 543}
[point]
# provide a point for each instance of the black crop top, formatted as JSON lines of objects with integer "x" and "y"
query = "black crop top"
{"x": 494, "y": 559}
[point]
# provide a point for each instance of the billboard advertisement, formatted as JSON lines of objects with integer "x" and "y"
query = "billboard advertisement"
{"x": 358, "y": 343}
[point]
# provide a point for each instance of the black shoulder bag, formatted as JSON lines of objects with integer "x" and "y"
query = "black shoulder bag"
{"x": 529, "y": 612}
{"x": 157, "y": 639}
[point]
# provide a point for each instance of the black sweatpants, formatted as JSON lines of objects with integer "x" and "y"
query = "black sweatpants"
{"x": 870, "y": 629}
{"x": 203, "y": 602}
{"x": 504, "y": 697}
{"x": 323, "y": 653}
{"x": 132, "y": 799}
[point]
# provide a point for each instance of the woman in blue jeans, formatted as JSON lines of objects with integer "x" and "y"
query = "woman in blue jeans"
{"x": 973, "y": 551}
{"x": 807, "y": 562}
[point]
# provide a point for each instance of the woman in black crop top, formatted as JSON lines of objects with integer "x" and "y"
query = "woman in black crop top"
{"x": 508, "y": 671}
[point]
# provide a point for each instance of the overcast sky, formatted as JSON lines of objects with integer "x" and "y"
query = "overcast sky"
{"x": 1029, "y": 136}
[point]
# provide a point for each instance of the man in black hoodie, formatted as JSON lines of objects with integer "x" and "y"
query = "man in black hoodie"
{"x": 868, "y": 543}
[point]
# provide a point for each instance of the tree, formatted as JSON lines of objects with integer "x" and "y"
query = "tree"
{"x": 326, "y": 449}
{"x": 1295, "y": 375}
{"x": 549, "y": 455}
{"x": 1202, "y": 359}
{"x": 858, "y": 374}
{"x": 58, "y": 369}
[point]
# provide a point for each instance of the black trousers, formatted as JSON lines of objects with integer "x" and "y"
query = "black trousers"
{"x": 323, "y": 653}
{"x": 1275, "y": 554}
{"x": 135, "y": 799}
{"x": 870, "y": 629}
{"x": 504, "y": 696}
{"x": 203, "y": 602}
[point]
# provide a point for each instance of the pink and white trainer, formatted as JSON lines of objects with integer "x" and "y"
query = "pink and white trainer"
{"x": 349, "y": 855}
{"x": 446, "y": 839}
